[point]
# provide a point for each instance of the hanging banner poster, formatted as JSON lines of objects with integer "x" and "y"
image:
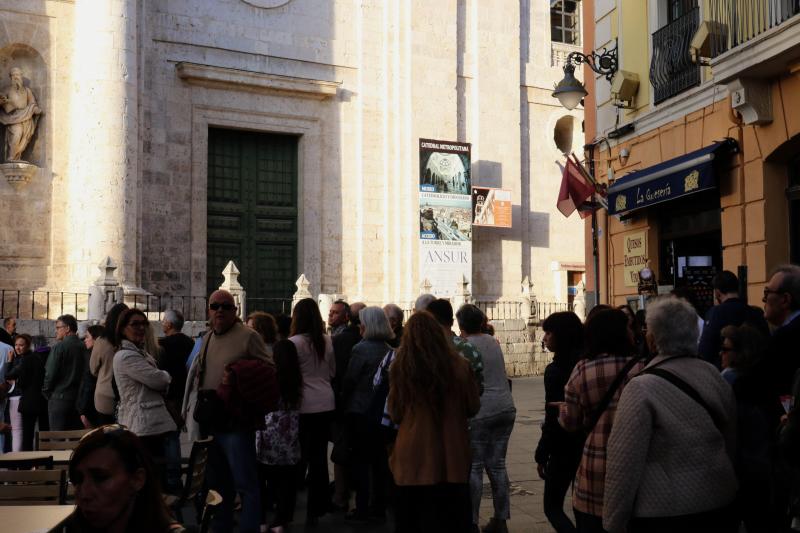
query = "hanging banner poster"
{"x": 491, "y": 207}
{"x": 445, "y": 215}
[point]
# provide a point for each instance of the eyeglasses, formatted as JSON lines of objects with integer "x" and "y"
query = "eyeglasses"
{"x": 108, "y": 428}
{"x": 139, "y": 323}
{"x": 61, "y": 326}
{"x": 767, "y": 292}
{"x": 225, "y": 307}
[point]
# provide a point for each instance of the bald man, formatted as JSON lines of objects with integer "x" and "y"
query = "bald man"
{"x": 232, "y": 458}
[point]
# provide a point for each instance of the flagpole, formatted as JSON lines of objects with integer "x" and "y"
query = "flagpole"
{"x": 595, "y": 250}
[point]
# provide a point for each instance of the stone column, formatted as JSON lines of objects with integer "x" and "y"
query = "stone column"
{"x": 101, "y": 189}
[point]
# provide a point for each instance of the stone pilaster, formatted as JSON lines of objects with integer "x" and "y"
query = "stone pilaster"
{"x": 101, "y": 189}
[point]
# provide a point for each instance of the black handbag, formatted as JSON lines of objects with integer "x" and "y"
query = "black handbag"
{"x": 209, "y": 411}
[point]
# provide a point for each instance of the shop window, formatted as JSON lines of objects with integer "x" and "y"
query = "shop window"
{"x": 793, "y": 196}
{"x": 564, "y": 22}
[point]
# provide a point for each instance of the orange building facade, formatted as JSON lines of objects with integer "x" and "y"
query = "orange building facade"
{"x": 740, "y": 89}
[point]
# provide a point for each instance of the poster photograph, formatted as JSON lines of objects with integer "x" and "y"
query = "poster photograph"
{"x": 445, "y": 217}
{"x": 444, "y": 167}
{"x": 491, "y": 207}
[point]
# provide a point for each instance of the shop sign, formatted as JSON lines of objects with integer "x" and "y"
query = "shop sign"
{"x": 635, "y": 256}
{"x": 623, "y": 199}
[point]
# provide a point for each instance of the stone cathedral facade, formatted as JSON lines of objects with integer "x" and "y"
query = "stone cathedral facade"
{"x": 176, "y": 135}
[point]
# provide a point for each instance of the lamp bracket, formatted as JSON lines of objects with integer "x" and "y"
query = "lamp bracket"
{"x": 603, "y": 61}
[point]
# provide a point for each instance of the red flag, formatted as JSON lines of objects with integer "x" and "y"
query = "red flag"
{"x": 574, "y": 190}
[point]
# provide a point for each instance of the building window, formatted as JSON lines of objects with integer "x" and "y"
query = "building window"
{"x": 678, "y": 8}
{"x": 564, "y": 22}
{"x": 793, "y": 196}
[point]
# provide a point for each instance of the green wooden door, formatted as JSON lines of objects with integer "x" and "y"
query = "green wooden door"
{"x": 252, "y": 214}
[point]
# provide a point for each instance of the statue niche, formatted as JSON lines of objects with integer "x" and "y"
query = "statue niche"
{"x": 19, "y": 113}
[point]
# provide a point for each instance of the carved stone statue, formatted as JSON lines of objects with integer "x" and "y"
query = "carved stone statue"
{"x": 19, "y": 114}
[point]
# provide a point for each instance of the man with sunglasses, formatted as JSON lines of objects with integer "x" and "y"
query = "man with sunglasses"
{"x": 231, "y": 466}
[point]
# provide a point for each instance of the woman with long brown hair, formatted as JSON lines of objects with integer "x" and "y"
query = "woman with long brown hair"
{"x": 432, "y": 394}
{"x": 318, "y": 366}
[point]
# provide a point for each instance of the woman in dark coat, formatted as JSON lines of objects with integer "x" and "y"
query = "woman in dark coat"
{"x": 558, "y": 453}
{"x": 29, "y": 374}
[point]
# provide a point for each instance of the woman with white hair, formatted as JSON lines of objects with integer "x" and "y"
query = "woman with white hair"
{"x": 670, "y": 453}
{"x": 364, "y": 434}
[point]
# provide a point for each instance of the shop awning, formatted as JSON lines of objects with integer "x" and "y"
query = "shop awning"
{"x": 687, "y": 174}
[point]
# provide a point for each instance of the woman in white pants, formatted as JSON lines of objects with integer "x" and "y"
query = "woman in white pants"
{"x": 22, "y": 347}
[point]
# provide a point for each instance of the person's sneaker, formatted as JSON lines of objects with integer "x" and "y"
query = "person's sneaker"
{"x": 495, "y": 525}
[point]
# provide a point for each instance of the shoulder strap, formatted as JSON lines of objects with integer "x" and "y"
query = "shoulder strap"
{"x": 687, "y": 389}
{"x": 201, "y": 372}
{"x": 595, "y": 415}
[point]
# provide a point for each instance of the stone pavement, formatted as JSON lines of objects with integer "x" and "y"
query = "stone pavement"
{"x": 527, "y": 515}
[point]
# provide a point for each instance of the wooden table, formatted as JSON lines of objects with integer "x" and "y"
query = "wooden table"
{"x": 33, "y": 518}
{"x": 60, "y": 457}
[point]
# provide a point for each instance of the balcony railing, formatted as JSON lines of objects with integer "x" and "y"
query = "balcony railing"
{"x": 739, "y": 21}
{"x": 671, "y": 69}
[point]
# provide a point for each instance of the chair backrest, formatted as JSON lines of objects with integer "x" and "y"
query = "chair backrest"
{"x": 39, "y": 463}
{"x": 196, "y": 469}
{"x": 213, "y": 499}
{"x": 59, "y": 440}
{"x": 32, "y": 487}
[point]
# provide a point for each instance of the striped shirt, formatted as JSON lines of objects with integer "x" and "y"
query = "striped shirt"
{"x": 585, "y": 389}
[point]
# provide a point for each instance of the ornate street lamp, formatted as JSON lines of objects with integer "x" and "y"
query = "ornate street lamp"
{"x": 569, "y": 90}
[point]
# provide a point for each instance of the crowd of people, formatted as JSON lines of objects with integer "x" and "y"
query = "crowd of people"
{"x": 663, "y": 422}
{"x": 657, "y": 421}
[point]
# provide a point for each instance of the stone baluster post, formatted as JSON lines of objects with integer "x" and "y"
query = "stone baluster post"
{"x": 232, "y": 285}
{"x": 529, "y": 303}
{"x": 425, "y": 287}
{"x": 462, "y": 295}
{"x": 105, "y": 291}
{"x": 302, "y": 290}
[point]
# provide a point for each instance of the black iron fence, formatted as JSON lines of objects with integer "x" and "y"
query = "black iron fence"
{"x": 545, "y": 309}
{"x": 43, "y": 305}
{"x": 671, "y": 68}
{"x": 275, "y": 306}
{"x": 739, "y": 21}
{"x": 192, "y": 308}
{"x": 501, "y": 309}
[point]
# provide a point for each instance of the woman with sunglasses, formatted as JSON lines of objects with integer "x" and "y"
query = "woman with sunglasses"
{"x": 115, "y": 486}
{"x": 141, "y": 385}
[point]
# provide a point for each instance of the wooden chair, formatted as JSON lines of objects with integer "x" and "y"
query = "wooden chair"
{"x": 195, "y": 478}
{"x": 32, "y": 487}
{"x": 213, "y": 499}
{"x": 40, "y": 463}
{"x": 59, "y": 440}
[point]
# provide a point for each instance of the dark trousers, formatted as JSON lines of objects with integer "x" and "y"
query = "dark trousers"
{"x": 63, "y": 415}
{"x": 29, "y": 428}
{"x": 370, "y": 463}
{"x": 314, "y": 436}
{"x": 101, "y": 419}
{"x": 723, "y": 520}
{"x": 279, "y": 481}
{"x": 442, "y": 508}
{"x": 559, "y": 473}
{"x": 589, "y": 523}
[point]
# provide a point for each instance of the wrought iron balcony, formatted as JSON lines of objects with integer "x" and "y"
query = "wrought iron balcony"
{"x": 739, "y": 21}
{"x": 671, "y": 68}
